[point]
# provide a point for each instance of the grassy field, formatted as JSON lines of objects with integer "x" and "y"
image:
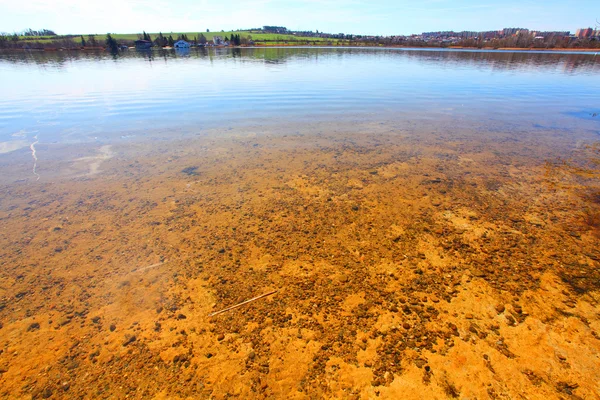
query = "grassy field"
{"x": 41, "y": 39}
{"x": 256, "y": 36}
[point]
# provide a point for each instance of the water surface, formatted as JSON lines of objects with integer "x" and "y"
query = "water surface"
{"x": 74, "y": 97}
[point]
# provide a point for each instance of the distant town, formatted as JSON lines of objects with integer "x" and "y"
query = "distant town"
{"x": 583, "y": 38}
{"x": 451, "y": 37}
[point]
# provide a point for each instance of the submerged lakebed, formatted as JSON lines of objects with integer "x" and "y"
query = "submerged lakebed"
{"x": 429, "y": 219}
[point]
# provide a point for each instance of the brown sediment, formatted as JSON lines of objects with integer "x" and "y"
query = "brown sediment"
{"x": 407, "y": 266}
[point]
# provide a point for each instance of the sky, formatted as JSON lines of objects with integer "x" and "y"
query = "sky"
{"x": 374, "y": 17}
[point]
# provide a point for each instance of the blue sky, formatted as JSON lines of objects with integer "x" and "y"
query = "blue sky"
{"x": 349, "y": 16}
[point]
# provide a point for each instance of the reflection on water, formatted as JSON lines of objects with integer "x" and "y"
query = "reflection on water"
{"x": 81, "y": 96}
{"x": 571, "y": 61}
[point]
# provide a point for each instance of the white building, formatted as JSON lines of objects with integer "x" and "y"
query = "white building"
{"x": 181, "y": 44}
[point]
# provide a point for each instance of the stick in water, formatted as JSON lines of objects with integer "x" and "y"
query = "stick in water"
{"x": 242, "y": 303}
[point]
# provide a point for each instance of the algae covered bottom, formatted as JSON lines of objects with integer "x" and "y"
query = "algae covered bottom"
{"x": 407, "y": 264}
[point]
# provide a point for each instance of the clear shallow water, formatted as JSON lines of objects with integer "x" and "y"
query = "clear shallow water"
{"x": 451, "y": 175}
{"x": 72, "y": 97}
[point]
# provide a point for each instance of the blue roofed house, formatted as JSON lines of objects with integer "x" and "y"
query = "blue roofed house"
{"x": 181, "y": 44}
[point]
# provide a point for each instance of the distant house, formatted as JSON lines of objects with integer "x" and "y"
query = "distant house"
{"x": 218, "y": 40}
{"x": 143, "y": 44}
{"x": 181, "y": 44}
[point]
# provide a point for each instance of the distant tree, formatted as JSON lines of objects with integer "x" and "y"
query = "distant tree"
{"x": 202, "y": 39}
{"x": 112, "y": 44}
{"x": 245, "y": 40}
{"x": 171, "y": 41}
{"x": 82, "y": 41}
{"x": 524, "y": 40}
{"x": 160, "y": 40}
{"x": 41, "y": 32}
{"x": 226, "y": 39}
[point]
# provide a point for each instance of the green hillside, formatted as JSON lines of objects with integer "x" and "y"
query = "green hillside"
{"x": 256, "y": 36}
{"x": 259, "y": 37}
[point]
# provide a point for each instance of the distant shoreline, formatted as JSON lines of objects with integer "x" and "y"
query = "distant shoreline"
{"x": 515, "y": 49}
{"x": 522, "y": 49}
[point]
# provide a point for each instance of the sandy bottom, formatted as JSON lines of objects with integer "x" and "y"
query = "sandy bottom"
{"x": 407, "y": 265}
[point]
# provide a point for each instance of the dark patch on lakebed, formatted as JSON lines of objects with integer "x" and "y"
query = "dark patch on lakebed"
{"x": 191, "y": 171}
{"x": 590, "y": 115}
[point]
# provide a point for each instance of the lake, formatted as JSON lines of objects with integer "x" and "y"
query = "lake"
{"x": 82, "y": 96}
{"x": 299, "y": 223}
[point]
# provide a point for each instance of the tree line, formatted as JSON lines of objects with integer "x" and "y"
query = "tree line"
{"x": 31, "y": 33}
{"x": 526, "y": 41}
{"x": 163, "y": 41}
{"x": 45, "y": 38}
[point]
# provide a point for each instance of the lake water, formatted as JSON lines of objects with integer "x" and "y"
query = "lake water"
{"x": 75, "y": 97}
{"x": 422, "y": 223}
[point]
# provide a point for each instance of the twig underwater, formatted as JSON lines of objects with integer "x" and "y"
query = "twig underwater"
{"x": 149, "y": 267}
{"x": 34, "y": 156}
{"x": 242, "y": 303}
